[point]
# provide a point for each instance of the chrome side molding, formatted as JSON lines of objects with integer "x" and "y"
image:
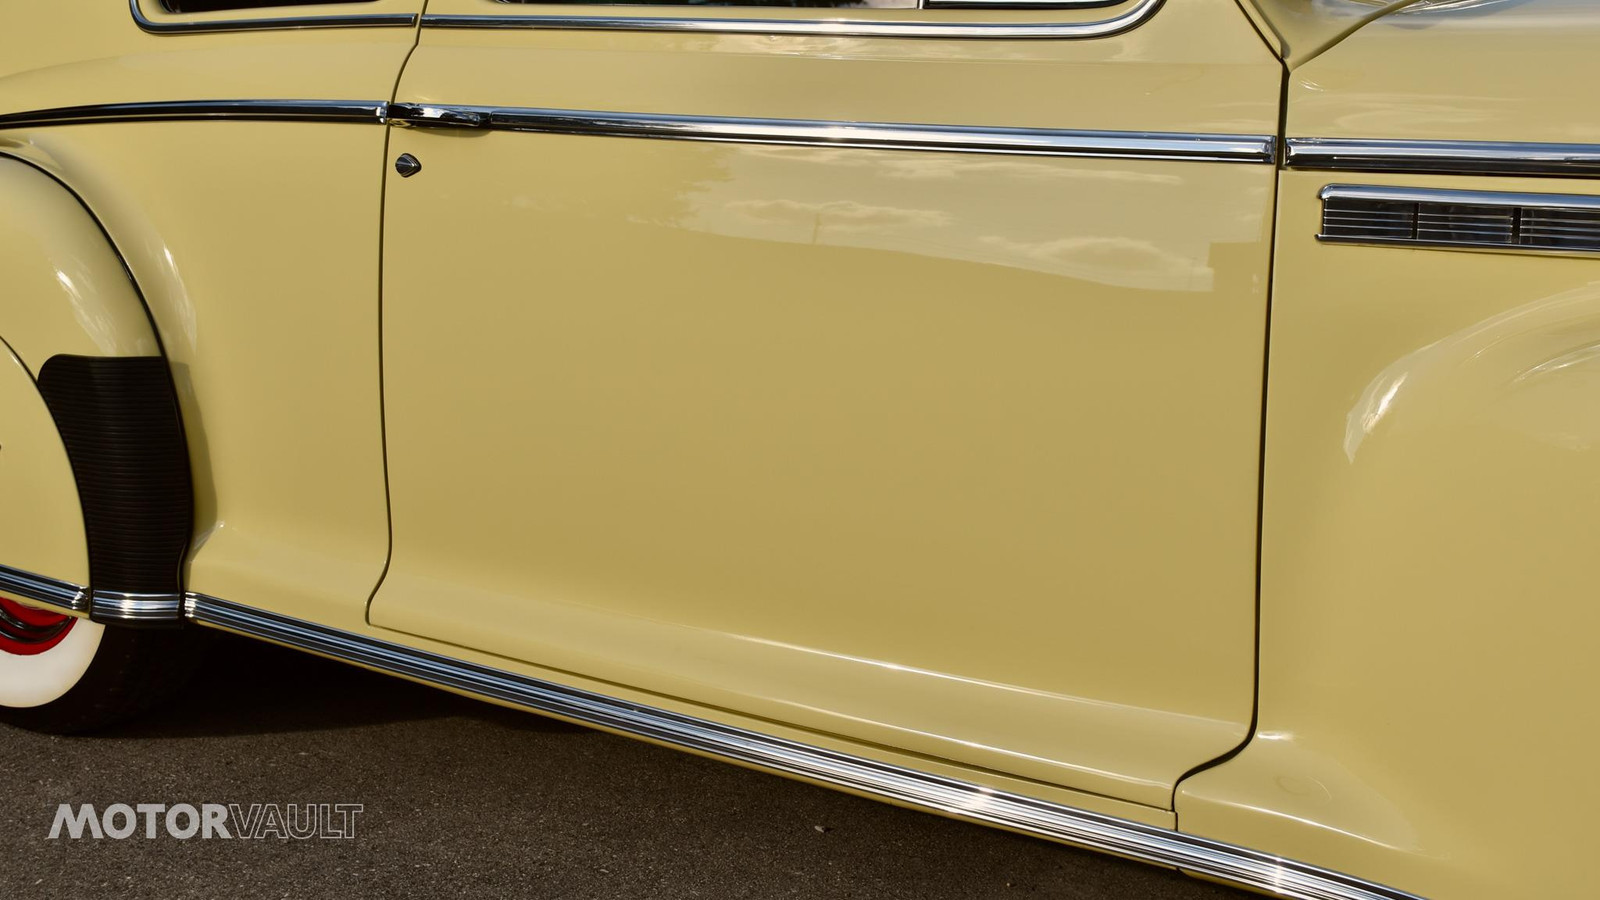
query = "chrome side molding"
{"x": 44, "y": 589}
{"x": 870, "y": 135}
{"x": 836, "y": 27}
{"x": 795, "y": 132}
{"x": 369, "y": 111}
{"x": 354, "y": 20}
{"x": 1095, "y": 831}
{"x": 1445, "y": 157}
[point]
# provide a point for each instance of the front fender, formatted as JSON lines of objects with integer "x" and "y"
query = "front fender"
{"x": 66, "y": 290}
{"x": 94, "y": 471}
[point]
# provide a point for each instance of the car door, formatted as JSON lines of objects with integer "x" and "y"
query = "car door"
{"x": 893, "y": 374}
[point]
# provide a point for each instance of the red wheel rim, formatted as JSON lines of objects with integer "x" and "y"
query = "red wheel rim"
{"x": 27, "y": 630}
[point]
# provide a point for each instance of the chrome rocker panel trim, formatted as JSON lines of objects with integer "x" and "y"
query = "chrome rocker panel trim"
{"x": 870, "y": 135}
{"x": 1130, "y": 18}
{"x": 120, "y": 608}
{"x": 371, "y": 112}
{"x": 1445, "y": 157}
{"x": 1095, "y": 831}
{"x": 44, "y": 589}
{"x": 356, "y": 20}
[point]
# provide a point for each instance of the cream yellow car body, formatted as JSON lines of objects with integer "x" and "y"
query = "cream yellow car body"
{"x": 977, "y": 478}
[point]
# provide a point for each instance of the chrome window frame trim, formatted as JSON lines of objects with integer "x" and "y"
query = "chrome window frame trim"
{"x": 372, "y": 112}
{"x": 352, "y": 20}
{"x": 65, "y": 595}
{"x": 1125, "y": 21}
{"x": 1509, "y": 199}
{"x": 1095, "y": 831}
{"x": 864, "y": 135}
{"x": 1444, "y": 157}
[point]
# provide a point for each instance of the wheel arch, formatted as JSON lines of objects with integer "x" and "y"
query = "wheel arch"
{"x": 76, "y": 326}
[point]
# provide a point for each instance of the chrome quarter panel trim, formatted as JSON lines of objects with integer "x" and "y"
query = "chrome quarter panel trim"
{"x": 369, "y": 111}
{"x": 357, "y": 20}
{"x": 870, "y": 135}
{"x": 44, "y": 589}
{"x": 1248, "y": 868}
{"x": 1445, "y": 157}
{"x": 1128, "y": 19}
{"x": 115, "y": 607}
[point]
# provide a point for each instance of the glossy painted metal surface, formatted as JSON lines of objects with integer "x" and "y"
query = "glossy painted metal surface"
{"x": 1445, "y": 157}
{"x": 271, "y": 332}
{"x": 1430, "y": 499}
{"x": 945, "y": 25}
{"x": 772, "y": 420}
{"x": 864, "y": 135}
{"x": 1426, "y": 675}
{"x": 1300, "y": 30}
{"x": 974, "y": 802}
{"x": 270, "y": 323}
{"x": 1494, "y": 72}
{"x": 66, "y": 288}
{"x": 852, "y": 461}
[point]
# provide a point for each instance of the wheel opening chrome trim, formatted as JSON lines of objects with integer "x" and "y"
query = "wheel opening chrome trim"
{"x": 868, "y": 135}
{"x": 839, "y": 27}
{"x": 352, "y": 20}
{"x": 1445, "y": 157}
{"x": 1095, "y": 831}
{"x": 371, "y": 111}
{"x": 44, "y": 589}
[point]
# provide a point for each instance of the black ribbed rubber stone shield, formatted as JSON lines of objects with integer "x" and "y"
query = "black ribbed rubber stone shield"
{"x": 119, "y": 419}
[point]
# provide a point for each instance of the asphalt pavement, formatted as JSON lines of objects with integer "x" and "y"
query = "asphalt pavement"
{"x": 464, "y": 799}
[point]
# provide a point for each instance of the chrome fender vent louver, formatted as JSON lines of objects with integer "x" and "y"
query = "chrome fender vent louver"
{"x": 1360, "y": 214}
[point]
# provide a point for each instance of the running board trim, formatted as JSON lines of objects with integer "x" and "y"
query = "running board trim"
{"x": 1094, "y": 831}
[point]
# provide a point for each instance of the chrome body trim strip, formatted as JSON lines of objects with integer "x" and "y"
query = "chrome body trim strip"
{"x": 1095, "y": 831}
{"x": 44, "y": 589}
{"x": 370, "y": 111}
{"x": 1445, "y": 157}
{"x": 116, "y": 607}
{"x": 871, "y": 135}
{"x": 889, "y": 28}
{"x": 1446, "y": 195}
{"x": 354, "y": 20}
{"x": 796, "y": 132}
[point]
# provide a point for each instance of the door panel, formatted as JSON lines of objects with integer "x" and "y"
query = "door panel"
{"x": 953, "y": 452}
